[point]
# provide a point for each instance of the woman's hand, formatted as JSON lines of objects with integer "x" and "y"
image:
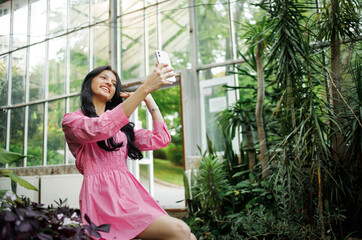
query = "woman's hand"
{"x": 158, "y": 77}
{"x": 125, "y": 94}
{"x": 154, "y": 81}
{"x": 150, "y": 103}
{"x": 147, "y": 100}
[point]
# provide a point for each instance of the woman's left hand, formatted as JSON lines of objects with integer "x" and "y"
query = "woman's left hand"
{"x": 128, "y": 94}
{"x": 125, "y": 94}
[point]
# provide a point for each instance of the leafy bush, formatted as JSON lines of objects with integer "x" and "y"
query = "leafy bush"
{"x": 174, "y": 153}
{"x": 22, "y": 219}
{"x": 160, "y": 154}
{"x": 228, "y": 201}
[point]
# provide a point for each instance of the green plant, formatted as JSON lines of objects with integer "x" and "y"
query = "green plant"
{"x": 22, "y": 219}
{"x": 7, "y": 157}
{"x": 312, "y": 120}
{"x": 212, "y": 184}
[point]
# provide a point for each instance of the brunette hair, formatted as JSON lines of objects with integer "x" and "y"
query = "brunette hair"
{"x": 88, "y": 109}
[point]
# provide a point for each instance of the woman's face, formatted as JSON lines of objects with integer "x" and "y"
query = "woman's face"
{"x": 104, "y": 86}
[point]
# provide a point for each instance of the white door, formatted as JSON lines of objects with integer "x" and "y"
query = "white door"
{"x": 215, "y": 98}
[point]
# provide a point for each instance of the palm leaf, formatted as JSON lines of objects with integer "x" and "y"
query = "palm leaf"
{"x": 7, "y": 157}
{"x": 17, "y": 179}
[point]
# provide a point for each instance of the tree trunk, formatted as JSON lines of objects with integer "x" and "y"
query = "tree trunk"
{"x": 320, "y": 202}
{"x": 336, "y": 79}
{"x": 250, "y": 142}
{"x": 263, "y": 157}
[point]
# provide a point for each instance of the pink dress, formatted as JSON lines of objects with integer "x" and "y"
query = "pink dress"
{"x": 110, "y": 194}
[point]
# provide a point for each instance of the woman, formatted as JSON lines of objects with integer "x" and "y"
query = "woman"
{"x": 101, "y": 137}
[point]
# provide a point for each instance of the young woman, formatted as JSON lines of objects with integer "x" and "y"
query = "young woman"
{"x": 101, "y": 137}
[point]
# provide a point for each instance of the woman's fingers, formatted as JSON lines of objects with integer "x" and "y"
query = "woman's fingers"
{"x": 125, "y": 94}
{"x": 167, "y": 72}
{"x": 159, "y": 77}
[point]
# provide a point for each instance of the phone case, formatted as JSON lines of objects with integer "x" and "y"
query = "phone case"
{"x": 162, "y": 57}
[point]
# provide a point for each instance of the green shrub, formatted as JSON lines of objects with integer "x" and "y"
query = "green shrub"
{"x": 174, "y": 154}
{"x": 22, "y": 219}
{"x": 160, "y": 154}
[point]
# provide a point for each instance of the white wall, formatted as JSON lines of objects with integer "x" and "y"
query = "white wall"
{"x": 64, "y": 186}
{"x": 51, "y": 188}
{"x": 5, "y": 184}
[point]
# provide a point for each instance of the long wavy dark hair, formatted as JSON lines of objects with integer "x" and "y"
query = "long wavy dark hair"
{"x": 88, "y": 109}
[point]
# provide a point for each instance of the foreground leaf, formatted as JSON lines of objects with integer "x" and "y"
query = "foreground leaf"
{"x": 10, "y": 157}
{"x": 18, "y": 179}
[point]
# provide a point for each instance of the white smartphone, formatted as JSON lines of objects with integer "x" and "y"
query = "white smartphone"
{"x": 162, "y": 57}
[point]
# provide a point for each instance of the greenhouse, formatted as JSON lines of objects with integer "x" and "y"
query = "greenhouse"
{"x": 265, "y": 116}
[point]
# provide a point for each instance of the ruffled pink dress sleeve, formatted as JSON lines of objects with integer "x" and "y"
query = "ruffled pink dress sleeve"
{"x": 110, "y": 194}
{"x": 147, "y": 140}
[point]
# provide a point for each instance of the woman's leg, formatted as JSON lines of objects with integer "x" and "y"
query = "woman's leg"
{"x": 166, "y": 228}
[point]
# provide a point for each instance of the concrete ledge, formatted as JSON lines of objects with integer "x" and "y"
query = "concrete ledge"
{"x": 178, "y": 212}
{"x": 45, "y": 170}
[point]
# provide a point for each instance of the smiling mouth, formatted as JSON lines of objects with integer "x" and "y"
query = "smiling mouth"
{"x": 105, "y": 89}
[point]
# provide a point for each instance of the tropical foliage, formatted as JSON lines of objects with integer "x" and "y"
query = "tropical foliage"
{"x": 7, "y": 157}
{"x": 22, "y": 219}
{"x": 298, "y": 173}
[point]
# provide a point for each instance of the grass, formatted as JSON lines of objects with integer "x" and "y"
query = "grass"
{"x": 166, "y": 171}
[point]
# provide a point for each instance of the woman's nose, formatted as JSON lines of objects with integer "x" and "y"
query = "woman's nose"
{"x": 108, "y": 82}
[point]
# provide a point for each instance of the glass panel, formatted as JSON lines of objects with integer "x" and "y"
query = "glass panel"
{"x": 152, "y": 36}
{"x": 5, "y": 26}
{"x": 132, "y": 51}
{"x": 130, "y": 6}
{"x": 18, "y": 77}
{"x": 213, "y": 73}
{"x": 100, "y": 10}
{"x": 214, "y": 42}
{"x": 100, "y": 45}
{"x": 17, "y": 133}
{"x": 4, "y": 80}
{"x": 3, "y": 99}
{"x": 38, "y": 20}
{"x": 57, "y": 66}
{"x": 150, "y": 2}
{"x": 175, "y": 32}
{"x": 79, "y": 13}
{"x": 71, "y": 158}
{"x": 3, "y": 122}
{"x": 36, "y": 71}
{"x": 243, "y": 12}
{"x": 20, "y": 23}
{"x": 57, "y": 16}
{"x": 168, "y": 101}
{"x": 55, "y": 141}
{"x": 35, "y": 135}
{"x": 79, "y": 60}
{"x": 213, "y": 131}
{"x": 74, "y": 103}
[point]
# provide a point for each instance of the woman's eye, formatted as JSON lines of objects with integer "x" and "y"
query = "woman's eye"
{"x": 103, "y": 77}
{"x": 114, "y": 84}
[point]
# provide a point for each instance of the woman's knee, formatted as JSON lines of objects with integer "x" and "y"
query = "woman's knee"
{"x": 182, "y": 229}
{"x": 167, "y": 228}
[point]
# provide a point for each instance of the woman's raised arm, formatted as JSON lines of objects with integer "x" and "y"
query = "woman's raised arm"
{"x": 154, "y": 81}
